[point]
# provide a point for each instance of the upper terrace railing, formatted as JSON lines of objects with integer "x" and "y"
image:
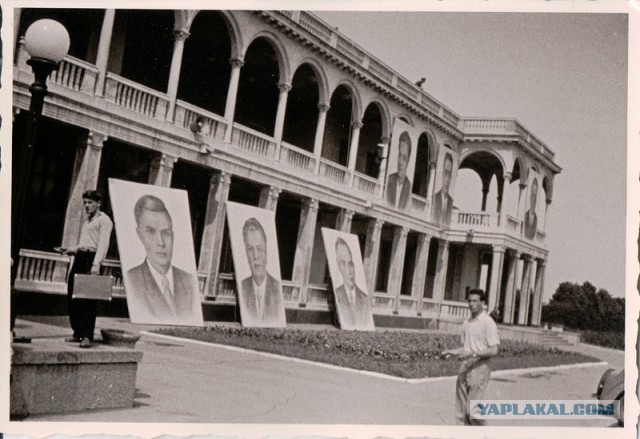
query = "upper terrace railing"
{"x": 504, "y": 127}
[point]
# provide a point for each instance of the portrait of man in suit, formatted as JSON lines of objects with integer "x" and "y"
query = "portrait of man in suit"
{"x": 398, "y": 184}
{"x": 530, "y": 218}
{"x": 260, "y": 292}
{"x": 160, "y": 293}
{"x": 352, "y": 303}
{"x": 442, "y": 200}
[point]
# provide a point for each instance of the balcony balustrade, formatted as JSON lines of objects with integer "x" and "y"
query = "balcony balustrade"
{"x": 366, "y": 184}
{"x": 135, "y": 97}
{"x": 333, "y": 171}
{"x": 76, "y": 75}
{"x": 253, "y": 141}
{"x": 214, "y": 126}
{"x": 296, "y": 157}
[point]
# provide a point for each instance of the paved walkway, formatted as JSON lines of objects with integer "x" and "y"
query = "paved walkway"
{"x": 184, "y": 381}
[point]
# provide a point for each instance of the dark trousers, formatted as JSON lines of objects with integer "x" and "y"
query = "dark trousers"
{"x": 82, "y": 312}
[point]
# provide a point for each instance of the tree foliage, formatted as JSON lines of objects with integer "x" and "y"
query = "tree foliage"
{"x": 584, "y": 307}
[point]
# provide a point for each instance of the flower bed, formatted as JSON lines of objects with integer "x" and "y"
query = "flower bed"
{"x": 399, "y": 353}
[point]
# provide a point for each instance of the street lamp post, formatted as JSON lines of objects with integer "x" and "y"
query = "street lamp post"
{"x": 47, "y": 42}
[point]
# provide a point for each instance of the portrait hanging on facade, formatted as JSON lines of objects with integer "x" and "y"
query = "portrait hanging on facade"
{"x": 254, "y": 246}
{"x": 442, "y": 203}
{"x": 153, "y": 229}
{"x": 401, "y": 163}
{"x": 530, "y": 217}
{"x": 353, "y": 302}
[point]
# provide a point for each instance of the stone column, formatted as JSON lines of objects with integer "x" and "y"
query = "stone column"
{"x": 432, "y": 179}
{"x": 304, "y": 248}
{"x": 510, "y": 291}
{"x": 317, "y": 144}
{"x": 269, "y": 198}
{"x": 496, "y": 277}
{"x": 398, "y": 250}
{"x": 441, "y": 271}
{"x": 84, "y": 177}
{"x": 525, "y": 291}
{"x": 372, "y": 252}
{"x": 353, "y": 149}
{"x": 211, "y": 248}
{"x": 502, "y": 212}
{"x": 230, "y": 107}
{"x": 282, "y": 109}
{"x": 102, "y": 58}
{"x": 485, "y": 192}
{"x": 420, "y": 271}
{"x": 161, "y": 169}
{"x": 181, "y": 36}
{"x": 539, "y": 291}
{"x": 343, "y": 222}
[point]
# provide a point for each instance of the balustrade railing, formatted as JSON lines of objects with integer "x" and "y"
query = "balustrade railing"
{"x": 315, "y": 27}
{"x": 407, "y": 303}
{"x": 298, "y": 158}
{"x": 75, "y": 74}
{"x": 318, "y": 295}
{"x": 476, "y": 219}
{"x": 430, "y": 306}
{"x": 454, "y": 310}
{"x": 333, "y": 171}
{"x": 213, "y": 125}
{"x": 366, "y": 184}
{"x": 253, "y": 141}
{"x": 346, "y": 47}
{"x": 135, "y": 96}
{"x": 226, "y": 288}
{"x": 382, "y": 301}
{"x": 290, "y": 291}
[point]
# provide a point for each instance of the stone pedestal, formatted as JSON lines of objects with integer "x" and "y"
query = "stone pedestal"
{"x": 57, "y": 377}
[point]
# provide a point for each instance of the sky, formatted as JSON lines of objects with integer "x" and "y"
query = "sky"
{"x": 564, "y": 77}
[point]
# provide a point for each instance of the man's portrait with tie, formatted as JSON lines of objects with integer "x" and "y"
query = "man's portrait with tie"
{"x": 252, "y": 233}
{"x": 442, "y": 200}
{"x": 157, "y": 291}
{"x": 353, "y": 304}
{"x": 530, "y": 218}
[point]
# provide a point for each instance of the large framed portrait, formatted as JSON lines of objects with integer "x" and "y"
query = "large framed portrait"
{"x": 353, "y": 302}
{"x": 401, "y": 163}
{"x": 442, "y": 203}
{"x": 153, "y": 229}
{"x": 254, "y": 246}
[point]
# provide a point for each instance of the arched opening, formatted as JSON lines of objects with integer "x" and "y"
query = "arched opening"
{"x": 142, "y": 46}
{"x": 338, "y": 126}
{"x": 257, "y": 102}
{"x": 83, "y": 26}
{"x": 421, "y": 171}
{"x": 479, "y": 183}
{"x": 301, "y": 117}
{"x": 205, "y": 71}
{"x": 368, "y": 160}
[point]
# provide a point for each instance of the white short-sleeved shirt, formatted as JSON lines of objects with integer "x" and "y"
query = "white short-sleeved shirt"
{"x": 479, "y": 333}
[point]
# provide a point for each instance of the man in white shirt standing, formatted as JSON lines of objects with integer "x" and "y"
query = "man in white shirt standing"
{"x": 89, "y": 254}
{"x": 480, "y": 342}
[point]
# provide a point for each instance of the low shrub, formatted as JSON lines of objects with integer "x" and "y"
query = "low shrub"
{"x": 607, "y": 339}
{"x": 399, "y": 353}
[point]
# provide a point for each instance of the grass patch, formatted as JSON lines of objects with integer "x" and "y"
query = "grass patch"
{"x": 398, "y": 353}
